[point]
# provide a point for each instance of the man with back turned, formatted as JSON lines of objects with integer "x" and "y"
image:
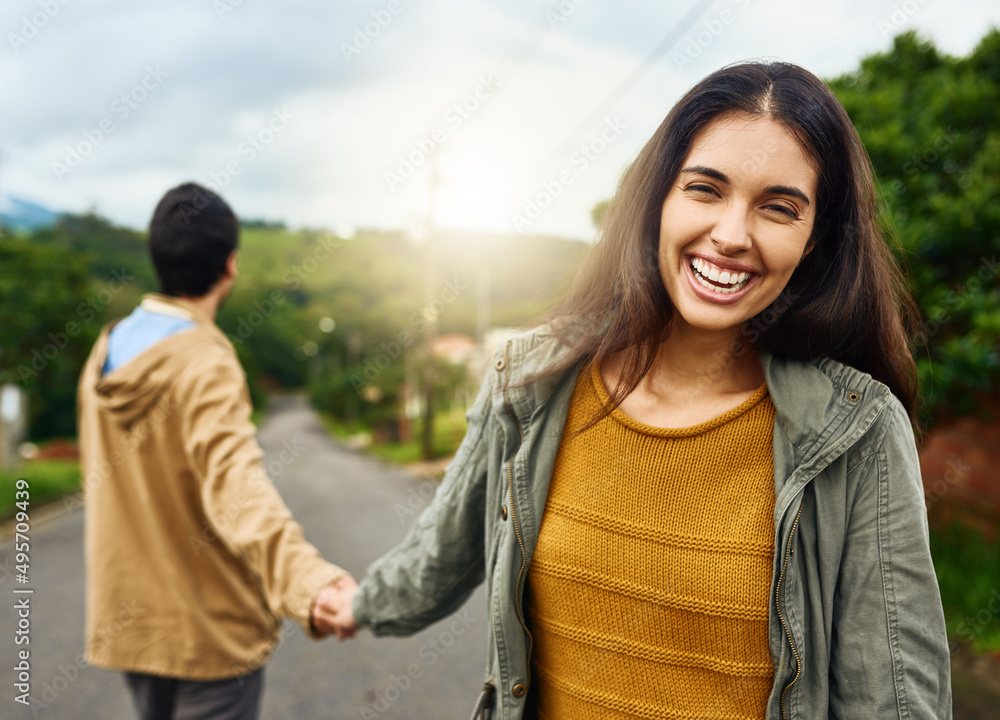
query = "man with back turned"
{"x": 192, "y": 556}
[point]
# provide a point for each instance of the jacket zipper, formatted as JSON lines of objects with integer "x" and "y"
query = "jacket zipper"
{"x": 777, "y": 600}
{"x": 513, "y": 517}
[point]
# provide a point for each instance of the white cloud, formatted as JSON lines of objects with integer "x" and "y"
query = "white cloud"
{"x": 354, "y": 119}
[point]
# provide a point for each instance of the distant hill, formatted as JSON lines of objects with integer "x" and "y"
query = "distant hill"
{"x": 19, "y": 214}
{"x": 373, "y": 284}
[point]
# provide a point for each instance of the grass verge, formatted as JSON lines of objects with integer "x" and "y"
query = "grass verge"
{"x": 449, "y": 429}
{"x": 968, "y": 571}
{"x": 47, "y": 480}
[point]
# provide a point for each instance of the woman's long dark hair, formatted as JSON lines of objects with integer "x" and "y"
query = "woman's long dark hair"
{"x": 847, "y": 300}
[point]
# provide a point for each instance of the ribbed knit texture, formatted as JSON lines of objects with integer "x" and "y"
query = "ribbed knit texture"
{"x": 648, "y": 590}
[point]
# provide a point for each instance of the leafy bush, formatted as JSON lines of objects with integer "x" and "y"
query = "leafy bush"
{"x": 46, "y": 329}
{"x": 929, "y": 123}
{"x": 967, "y": 566}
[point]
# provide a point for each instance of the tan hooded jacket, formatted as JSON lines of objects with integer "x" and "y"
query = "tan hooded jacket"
{"x": 192, "y": 557}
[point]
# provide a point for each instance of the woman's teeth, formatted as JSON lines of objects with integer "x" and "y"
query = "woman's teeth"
{"x": 705, "y": 271}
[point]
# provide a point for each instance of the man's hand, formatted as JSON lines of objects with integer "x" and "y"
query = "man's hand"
{"x": 332, "y": 612}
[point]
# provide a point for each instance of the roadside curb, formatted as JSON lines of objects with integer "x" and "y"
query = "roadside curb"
{"x": 40, "y": 515}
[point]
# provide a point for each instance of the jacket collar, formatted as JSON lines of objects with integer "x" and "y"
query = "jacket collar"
{"x": 174, "y": 306}
{"x": 818, "y": 401}
{"x": 822, "y": 406}
{"x": 525, "y": 356}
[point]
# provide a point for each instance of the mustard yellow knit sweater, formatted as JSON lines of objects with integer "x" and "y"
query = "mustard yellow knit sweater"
{"x": 649, "y": 587}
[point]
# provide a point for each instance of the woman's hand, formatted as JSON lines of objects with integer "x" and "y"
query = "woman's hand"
{"x": 332, "y": 611}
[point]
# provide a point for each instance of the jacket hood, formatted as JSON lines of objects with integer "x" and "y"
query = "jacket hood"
{"x": 130, "y": 392}
{"x": 815, "y": 401}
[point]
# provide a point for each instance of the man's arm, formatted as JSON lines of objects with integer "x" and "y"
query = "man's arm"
{"x": 239, "y": 500}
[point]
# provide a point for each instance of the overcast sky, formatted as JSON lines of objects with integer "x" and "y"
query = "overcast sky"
{"x": 323, "y": 113}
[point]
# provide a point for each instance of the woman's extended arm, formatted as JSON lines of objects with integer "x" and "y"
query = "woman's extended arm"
{"x": 441, "y": 560}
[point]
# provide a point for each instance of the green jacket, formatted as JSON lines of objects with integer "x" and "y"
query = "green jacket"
{"x": 856, "y": 626}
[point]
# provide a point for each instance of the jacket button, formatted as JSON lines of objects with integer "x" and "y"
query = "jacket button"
{"x": 501, "y": 364}
{"x": 503, "y": 512}
{"x": 519, "y": 690}
{"x": 853, "y": 396}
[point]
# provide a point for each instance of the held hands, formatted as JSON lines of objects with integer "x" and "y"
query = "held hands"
{"x": 332, "y": 612}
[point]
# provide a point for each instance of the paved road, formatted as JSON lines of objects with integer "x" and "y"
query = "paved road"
{"x": 353, "y": 510}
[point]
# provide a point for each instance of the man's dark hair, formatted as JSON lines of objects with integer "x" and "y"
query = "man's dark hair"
{"x": 192, "y": 233}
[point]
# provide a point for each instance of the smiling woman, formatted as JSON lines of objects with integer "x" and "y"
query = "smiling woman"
{"x": 695, "y": 492}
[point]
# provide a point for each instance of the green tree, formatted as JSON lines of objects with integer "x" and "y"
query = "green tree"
{"x": 46, "y": 328}
{"x": 107, "y": 249}
{"x": 931, "y": 125}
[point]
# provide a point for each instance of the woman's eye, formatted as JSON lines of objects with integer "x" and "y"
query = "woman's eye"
{"x": 783, "y": 210}
{"x": 702, "y": 189}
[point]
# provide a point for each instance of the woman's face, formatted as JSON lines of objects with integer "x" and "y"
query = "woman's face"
{"x": 736, "y": 222}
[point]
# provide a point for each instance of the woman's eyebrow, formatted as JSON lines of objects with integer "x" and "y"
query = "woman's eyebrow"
{"x": 721, "y": 177}
{"x": 785, "y": 190}
{"x": 711, "y": 172}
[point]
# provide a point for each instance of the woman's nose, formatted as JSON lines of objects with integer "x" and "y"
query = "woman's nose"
{"x": 731, "y": 232}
